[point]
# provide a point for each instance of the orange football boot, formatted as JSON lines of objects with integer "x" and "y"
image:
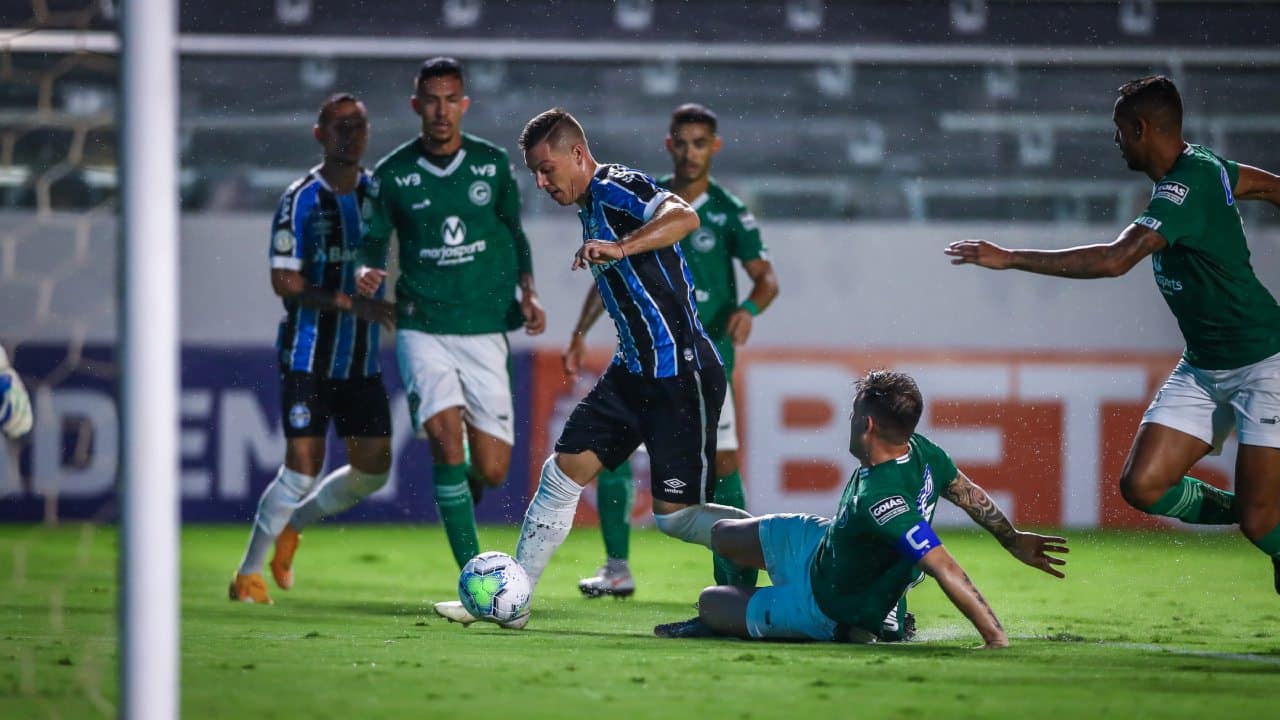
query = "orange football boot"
{"x": 282, "y": 560}
{"x": 249, "y": 588}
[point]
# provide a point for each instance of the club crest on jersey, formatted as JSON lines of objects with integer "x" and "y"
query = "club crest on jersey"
{"x": 888, "y": 509}
{"x": 703, "y": 240}
{"x": 299, "y": 416}
{"x": 283, "y": 241}
{"x": 453, "y": 231}
{"x": 480, "y": 193}
{"x": 1174, "y": 192}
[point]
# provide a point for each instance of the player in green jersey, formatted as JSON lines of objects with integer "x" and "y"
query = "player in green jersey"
{"x": 1229, "y": 374}
{"x": 728, "y": 232}
{"x": 835, "y": 579}
{"x": 452, "y": 201}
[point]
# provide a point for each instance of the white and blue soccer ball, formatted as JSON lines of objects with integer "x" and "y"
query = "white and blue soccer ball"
{"x": 494, "y": 587}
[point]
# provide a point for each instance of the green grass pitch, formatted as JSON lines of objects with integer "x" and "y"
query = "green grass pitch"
{"x": 1146, "y": 625}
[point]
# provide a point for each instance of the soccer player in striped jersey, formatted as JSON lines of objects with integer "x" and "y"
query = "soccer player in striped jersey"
{"x": 666, "y": 384}
{"x": 328, "y": 352}
{"x": 728, "y": 232}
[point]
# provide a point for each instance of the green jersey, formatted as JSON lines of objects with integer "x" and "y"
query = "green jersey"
{"x": 461, "y": 247}
{"x": 728, "y": 231}
{"x": 868, "y": 557}
{"x": 1227, "y": 317}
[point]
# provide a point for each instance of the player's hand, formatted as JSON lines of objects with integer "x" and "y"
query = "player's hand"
{"x": 1035, "y": 550}
{"x": 368, "y": 280}
{"x": 535, "y": 318}
{"x": 572, "y": 357}
{"x": 375, "y": 311}
{"x": 979, "y": 252}
{"x": 996, "y": 643}
{"x": 597, "y": 252}
{"x": 739, "y": 327}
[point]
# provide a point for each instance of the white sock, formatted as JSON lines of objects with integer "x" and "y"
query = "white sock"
{"x": 339, "y": 490}
{"x": 275, "y": 507}
{"x": 548, "y": 519}
{"x": 693, "y": 524}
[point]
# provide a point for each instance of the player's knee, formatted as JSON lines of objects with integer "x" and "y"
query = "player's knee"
{"x": 1257, "y": 521}
{"x": 371, "y": 455}
{"x": 491, "y": 474}
{"x": 1140, "y": 490}
{"x": 727, "y": 537}
{"x": 722, "y": 537}
{"x": 710, "y": 601}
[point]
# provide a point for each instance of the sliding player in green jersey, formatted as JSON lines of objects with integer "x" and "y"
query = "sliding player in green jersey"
{"x": 454, "y": 206}
{"x": 835, "y": 579}
{"x": 728, "y": 232}
{"x": 1229, "y": 374}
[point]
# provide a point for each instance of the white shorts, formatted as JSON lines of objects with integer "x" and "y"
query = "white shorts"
{"x": 787, "y": 609}
{"x": 467, "y": 371}
{"x": 727, "y": 430}
{"x": 1209, "y": 403}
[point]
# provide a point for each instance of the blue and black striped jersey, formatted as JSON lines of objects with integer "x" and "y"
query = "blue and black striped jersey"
{"x": 317, "y": 232}
{"x": 649, "y": 295}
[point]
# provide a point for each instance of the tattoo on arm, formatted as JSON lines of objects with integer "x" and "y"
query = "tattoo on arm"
{"x": 981, "y": 600}
{"x": 978, "y": 504}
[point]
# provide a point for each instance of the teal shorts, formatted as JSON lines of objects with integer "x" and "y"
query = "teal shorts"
{"x": 787, "y": 610}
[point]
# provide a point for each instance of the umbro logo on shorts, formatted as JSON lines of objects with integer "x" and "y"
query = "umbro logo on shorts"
{"x": 674, "y": 483}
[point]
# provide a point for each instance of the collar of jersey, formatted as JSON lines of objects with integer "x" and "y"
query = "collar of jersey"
{"x": 443, "y": 172}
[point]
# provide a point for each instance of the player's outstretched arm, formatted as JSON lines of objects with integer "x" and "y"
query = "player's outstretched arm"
{"x": 592, "y": 307}
{"x": 673, "y": 219}
{"x": 1257, "y": 184}
{"x": 1086, "y": 261}
{"x": 1030, "y": 548}
{"x": 939, "y": 564}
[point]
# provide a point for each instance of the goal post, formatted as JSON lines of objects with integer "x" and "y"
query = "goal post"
{"x": 149, "y": 382}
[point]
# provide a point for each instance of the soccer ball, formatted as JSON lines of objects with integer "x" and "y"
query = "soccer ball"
{"x": 494, "y": 587}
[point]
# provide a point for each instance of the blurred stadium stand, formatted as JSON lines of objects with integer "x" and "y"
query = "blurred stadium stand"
{"x": 869, "y": 110}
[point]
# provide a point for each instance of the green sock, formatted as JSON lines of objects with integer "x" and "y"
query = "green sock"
{"x": 729, "y": 492}
{"x": 453, "y": 500}
{"x": 614, "y": 497}
{"x": 1270, "y": 543}
{"x": 1196, "y": 502}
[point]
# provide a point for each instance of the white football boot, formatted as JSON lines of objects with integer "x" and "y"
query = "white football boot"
{"x": 613, "y": 578}
{"x": 453, "y": 611}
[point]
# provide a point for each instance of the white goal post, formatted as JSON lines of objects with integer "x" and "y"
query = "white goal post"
{"x": 148, "y": 282}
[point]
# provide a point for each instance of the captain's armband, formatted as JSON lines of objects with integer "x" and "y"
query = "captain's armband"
{"x": 916, "y": 542}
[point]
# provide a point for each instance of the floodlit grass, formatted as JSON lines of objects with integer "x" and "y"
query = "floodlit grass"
{"x": 1146, "y": 625}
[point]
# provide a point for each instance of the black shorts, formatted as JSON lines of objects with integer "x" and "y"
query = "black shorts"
{"x": 359, "y": 406}
{"x": 674, "y": 417}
